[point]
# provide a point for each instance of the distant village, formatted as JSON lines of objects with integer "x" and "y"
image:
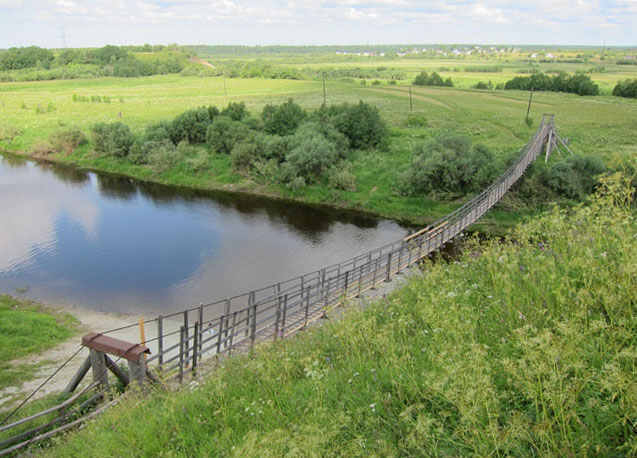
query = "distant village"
{"x": 467, "y": 51}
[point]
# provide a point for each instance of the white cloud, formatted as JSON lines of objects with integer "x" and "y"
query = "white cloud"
{"x": 298, "y": 21}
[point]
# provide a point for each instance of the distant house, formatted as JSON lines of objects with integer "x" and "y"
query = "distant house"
{"x": 629, "y": 57}
{"x": 533, "y": 56}
{"x": 548, "y": 55}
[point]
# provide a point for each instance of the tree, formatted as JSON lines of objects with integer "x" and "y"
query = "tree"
{"x": 282, "y": 119}
{"x": 114, "y": 139}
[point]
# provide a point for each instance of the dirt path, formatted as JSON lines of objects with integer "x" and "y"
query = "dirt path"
{"x": 196, "y": 60}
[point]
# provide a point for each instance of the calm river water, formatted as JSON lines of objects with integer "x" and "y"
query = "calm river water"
{"x": 116, "y": 245}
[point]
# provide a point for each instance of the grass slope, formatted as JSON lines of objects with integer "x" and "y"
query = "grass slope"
{"x": 28, "y": 328}
{"x": 520, "y": 348}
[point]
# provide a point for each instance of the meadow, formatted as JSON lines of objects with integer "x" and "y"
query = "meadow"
{"x": 605, "y": 126}
{"x": 518, "y": 348}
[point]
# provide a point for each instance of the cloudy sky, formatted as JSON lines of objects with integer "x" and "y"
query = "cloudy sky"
{"x": 98, "y": 22}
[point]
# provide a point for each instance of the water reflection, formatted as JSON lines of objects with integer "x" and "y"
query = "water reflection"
{"x": 107, "y": 242}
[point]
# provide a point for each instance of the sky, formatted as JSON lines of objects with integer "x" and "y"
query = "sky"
{"x": 74, "y": 23}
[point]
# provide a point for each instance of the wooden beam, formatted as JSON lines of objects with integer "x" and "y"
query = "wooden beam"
{"x": 79, "y": 375}
{"x": 114, "y": 368}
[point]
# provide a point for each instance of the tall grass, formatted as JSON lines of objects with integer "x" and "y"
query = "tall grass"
{"x": 519, "y": 348}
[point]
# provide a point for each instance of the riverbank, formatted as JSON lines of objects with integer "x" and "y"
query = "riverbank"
{"x": 409, "y": 211}
{"x": 37, "y": 338}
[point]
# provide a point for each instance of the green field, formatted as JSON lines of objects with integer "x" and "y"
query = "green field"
{"x": 604, "y": 125}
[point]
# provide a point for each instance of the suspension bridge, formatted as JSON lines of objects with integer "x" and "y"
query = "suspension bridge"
{"x": 179, "y": 344}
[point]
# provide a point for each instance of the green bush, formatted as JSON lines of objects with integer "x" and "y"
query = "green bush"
{"x": 311, "y": 154}
{"x": 416, "y": 120}
{"x": 626, "y": 88}
{"x": 235, "y": 111}
{"x": 282, "y": 119}
{"x": 163, "y": 155}
{"x": 574, "y": 178}
{"x": 8, "y": 132}
{"x": 577, "y": 84}
{"x": 448, "y": 164}
{"x": 192, "y": 125}
{"x": 275, "y": 147}
{"x": 360, "y": 123}
{"x": 155, "y": 136}
{"x": 424, "y": 79}
{"x": 224, "y": 133}
{"x": 247, "y": 152}
{"x": 341, "y": 178}
{"x": 67, "y": 140}
{"x": 115, "y": 139}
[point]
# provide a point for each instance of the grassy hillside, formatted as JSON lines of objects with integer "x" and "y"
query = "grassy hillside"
{"x": 520, "y": 348}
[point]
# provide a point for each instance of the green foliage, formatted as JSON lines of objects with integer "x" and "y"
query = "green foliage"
{"x": 361, "y": 123}
{"x": 192, "y": 125}
{"x": 8, "y": 131}
{"x": 282, "y": 119}
{"x": 224, "y": 133}
{"x": 311, "y": 153}
{"x": 574, "y": 178}
{"x": 19, "y": 58}
{"x": 483, "y": 85}
{"x": 115, "y": 139}
{"x": 162, "y": 155}
{"x": 626, "y": 88}
{"x": 577, "y": 84}
{"x": 67, "y": 140}
{"x": 448, "y": 164}
{"x": 249, "y": 151}
{"x": 108, "y": 54}
{"x": 235, "y": 111}
{"x": 424, "y": 79}
{"x": 483, "y": 69}
{"x": 341, "y": 178}
{"x": 522, "y": 347}
{"x": 416, "y": 120}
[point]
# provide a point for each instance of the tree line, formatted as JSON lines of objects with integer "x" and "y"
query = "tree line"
{"x": 108, "y": 60}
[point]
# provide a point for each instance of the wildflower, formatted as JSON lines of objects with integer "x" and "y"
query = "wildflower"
{"x": 521, "y": 316}
{"x": 373, "y": 407}
{"x": 521, "y": 269}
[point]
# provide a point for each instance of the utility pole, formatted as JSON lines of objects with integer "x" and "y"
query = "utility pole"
{"x": 411, "y": 106}
{"x": 324, "y": 98}
{"x": 528, "y": 110}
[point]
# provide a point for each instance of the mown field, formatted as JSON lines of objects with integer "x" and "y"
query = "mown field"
{"x": 603, "y": 125}
{"x": 518, "y": 348}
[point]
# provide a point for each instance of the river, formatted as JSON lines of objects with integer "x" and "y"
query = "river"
{"x": 113, "y": 244}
